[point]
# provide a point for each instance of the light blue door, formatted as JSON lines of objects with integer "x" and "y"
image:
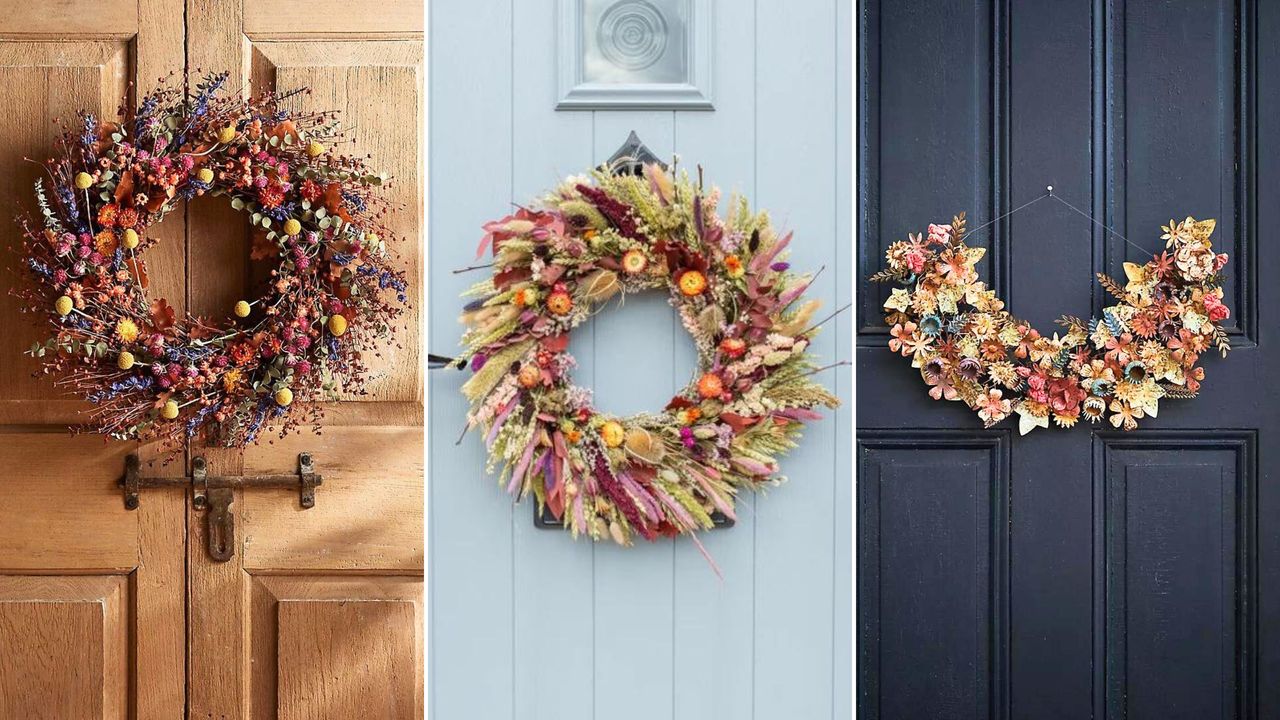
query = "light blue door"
{"x": 526, "y": 623}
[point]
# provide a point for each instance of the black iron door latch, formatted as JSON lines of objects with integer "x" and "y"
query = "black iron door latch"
{"x": 215, "y": 493}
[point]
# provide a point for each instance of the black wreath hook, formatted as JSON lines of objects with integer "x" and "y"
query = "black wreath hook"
{"x": 631, "y": 158}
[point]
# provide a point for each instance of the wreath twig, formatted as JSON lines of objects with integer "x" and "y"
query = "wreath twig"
{"x": 150, "y": 373}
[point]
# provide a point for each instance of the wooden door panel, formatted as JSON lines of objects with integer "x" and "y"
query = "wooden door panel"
{"x": 41, "y": 81}
{"x": 62, "y": 508}
{"x": 65, "y": 538}
{"x": 375, "y": 87}
{"x": 61, "y": 20}
{"x": 368, "y": 512}
{"x": 345, "y": 19}
{"x": 336, "y": 646}
{"x": 64, "y": 647}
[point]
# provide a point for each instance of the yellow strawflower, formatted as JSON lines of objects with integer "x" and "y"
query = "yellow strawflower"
{"x": 127, "y": 330}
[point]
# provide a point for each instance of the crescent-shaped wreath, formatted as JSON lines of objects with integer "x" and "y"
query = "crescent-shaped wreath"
{"x": 658, "y": 474}
{"x": 969, "y": 348}
{"x": 332, "y": 294}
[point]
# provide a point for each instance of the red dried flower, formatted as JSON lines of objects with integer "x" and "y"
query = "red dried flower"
{"x": 271, "y": 196}
{"x": 310, "y": 191}
{"x": 127, "y": 218}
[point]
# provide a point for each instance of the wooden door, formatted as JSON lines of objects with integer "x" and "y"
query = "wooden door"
{"x": 91, "y": 595}
{"x": 1083, "y": 572}
{"x": 319, "y": 613}
{"x": 110, "y": 613}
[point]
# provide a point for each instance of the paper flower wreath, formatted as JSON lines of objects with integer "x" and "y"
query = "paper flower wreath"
{"x": 154, "y": 375}
{"x": 1143, "y": 348}
{"x": 651, "y": 474}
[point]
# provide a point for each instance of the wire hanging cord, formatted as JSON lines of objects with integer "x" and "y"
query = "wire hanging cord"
{"x": 1048, "y": 193}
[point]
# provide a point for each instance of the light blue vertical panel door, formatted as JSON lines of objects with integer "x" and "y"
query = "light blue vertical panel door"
{"x": 525, "y": 623}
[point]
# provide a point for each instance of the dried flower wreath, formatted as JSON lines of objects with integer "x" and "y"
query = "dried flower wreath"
{"x": 651, "y": 474}
{"x": 153, "y": 375}
{"x": 969, "y": 348}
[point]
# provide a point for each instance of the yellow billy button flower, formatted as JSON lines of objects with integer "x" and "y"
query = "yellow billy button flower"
{"x": 612, "y": 433}
{"x": 284, "y": 397}
{"x": 204, "y": 175}
{"x": 63, "y": 305}
{"x": 83, "y": 180}
{"x": 634, "y": 261}
{"x": 337, "y": 324}
{"x": 226, "y": 134}
{"x": 292, "y": 227}
{"x": 241, "y": 309}
{"x": 130, "y": 240}
{"x": 170, "y": 410}
{"x": 692, "y": 283}
{"x": 314, "y": 149}
{"x": 124, "y": 360}
{"x": 559, "y": 302}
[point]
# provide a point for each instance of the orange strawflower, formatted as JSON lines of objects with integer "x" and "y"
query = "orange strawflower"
{"x": 733, "y": 266}
{"x": 733, "y": 347}
{"x": 692, "y": 282}
{"x": 524, "y": 297}
{"x": 710, "y": 385}
{"x": 105, "y": 241}
{"x": 107, "y": 215}
{"x": 559, "y": 302}
{"x": 688, "y": 416}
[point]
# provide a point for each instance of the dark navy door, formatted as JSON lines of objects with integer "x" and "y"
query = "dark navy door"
{"x": 1080, "y": 573}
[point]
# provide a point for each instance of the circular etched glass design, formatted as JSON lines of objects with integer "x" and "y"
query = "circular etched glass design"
{"x": 632, "y": 34}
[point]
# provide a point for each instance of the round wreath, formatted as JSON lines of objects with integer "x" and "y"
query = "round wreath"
{"x": 150, "y": 374}
{"x": 650, "y": 475}
{"x": 1145, "y": 347}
